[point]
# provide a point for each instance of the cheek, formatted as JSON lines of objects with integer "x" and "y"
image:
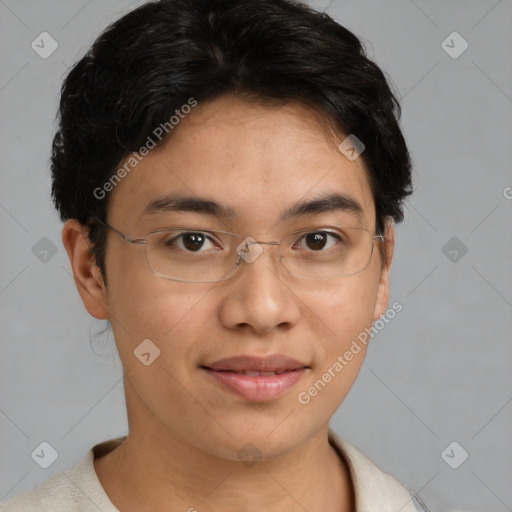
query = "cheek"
{"x": 145, "y": 303}
{"x": 145, "y": 306}
{"x": 348, "y": 311}
{"x": 179, "y": 320}
{"x": 346, "y": 307}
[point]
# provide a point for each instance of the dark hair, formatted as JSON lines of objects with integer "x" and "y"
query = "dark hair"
{"x": 150, "y": 62}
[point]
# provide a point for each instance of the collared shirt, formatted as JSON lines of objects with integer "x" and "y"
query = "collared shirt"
{"x": 79, "y": 489}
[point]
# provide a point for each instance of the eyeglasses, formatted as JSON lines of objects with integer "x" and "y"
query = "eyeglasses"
{"x": 194, "y": 255}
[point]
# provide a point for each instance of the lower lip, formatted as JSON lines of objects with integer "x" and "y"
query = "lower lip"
{"x": 257, "y": 388}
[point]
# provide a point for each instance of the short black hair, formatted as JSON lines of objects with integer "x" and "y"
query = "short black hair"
{"x": 153, "y": 60}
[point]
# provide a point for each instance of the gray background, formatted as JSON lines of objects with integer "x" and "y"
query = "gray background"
{"x": 438, "y": 373}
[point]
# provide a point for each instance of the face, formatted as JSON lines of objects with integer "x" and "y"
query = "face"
{"x": 257, "y": 161}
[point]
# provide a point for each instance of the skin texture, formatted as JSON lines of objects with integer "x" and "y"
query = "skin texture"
{"x": 185, "y": 430}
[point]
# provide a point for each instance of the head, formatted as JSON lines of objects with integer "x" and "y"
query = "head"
{"x": 243, "y": 104}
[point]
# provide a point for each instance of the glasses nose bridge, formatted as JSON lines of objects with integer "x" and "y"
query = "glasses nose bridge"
{"x": 245, "y": 254}
{"x": 263, "y": 243}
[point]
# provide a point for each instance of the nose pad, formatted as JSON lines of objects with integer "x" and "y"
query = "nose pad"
{"x": 249, "y": 250}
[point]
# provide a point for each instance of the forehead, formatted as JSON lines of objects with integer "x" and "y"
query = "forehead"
{"x": 255, "y": 161}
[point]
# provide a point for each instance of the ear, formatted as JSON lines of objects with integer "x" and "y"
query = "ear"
{"x": 383, "y": 290}
{"x": 86, "y": 273}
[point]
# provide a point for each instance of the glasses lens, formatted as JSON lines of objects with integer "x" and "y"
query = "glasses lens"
{"x": 212, "y": 256}
{"x": 192, "y": 256}
{"x": 327, "y": 254}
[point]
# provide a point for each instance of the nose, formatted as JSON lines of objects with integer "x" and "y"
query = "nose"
{"x": 259, "y": 297}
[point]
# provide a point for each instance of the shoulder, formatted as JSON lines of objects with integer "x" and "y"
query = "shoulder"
{"x": 75, "y": 490}
{"x": 375, "y": 489}
{"x": 58, "y": 493}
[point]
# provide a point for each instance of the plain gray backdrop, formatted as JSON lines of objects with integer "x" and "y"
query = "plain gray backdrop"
{"x": 438, "y": 374}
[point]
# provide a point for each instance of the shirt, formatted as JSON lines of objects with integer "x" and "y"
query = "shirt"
{"x": 79, "y": 489}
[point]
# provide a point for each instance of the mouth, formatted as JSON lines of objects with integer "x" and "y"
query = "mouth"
{"x": 251, "y": 373}
{"x": 255, "y": 378}
{"x": 273, "y": 363}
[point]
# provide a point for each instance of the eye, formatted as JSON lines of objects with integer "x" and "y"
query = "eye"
{"x": 319, "y": 240}
{"x": 192, "y": 241}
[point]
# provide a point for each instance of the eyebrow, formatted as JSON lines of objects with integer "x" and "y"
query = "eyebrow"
{"x": 323, "y": 204}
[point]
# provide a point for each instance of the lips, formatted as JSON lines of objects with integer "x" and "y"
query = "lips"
{"x": 256, "y": 378}
{"x": 254, "y": 374}
{"x": 272, "y": 364}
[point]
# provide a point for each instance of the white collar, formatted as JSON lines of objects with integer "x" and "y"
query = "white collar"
{"x": 375, "y": 490}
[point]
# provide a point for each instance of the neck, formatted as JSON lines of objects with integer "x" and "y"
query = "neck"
{"x": 160, "y": 468}
{"x": 157, "y": 474}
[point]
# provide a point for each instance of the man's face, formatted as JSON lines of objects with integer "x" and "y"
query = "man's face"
{"x": 256, "y": 161}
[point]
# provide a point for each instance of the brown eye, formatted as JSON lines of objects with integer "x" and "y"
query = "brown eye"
{"x": 193, "y": 241}
{"x": 318, "y": 240}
